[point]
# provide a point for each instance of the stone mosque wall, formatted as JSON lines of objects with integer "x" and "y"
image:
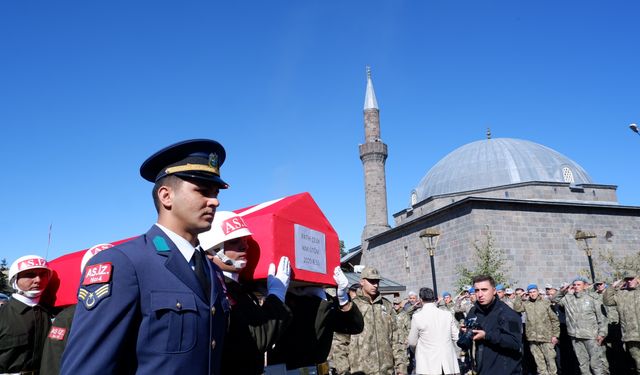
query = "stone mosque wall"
{"x": 537, "y": 237}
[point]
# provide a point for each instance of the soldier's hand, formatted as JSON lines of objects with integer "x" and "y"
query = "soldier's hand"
{"x": 616, "y": 283}
{"x": 342, "y": 290}
{"x": 278, "y": 281}
{"x": 600, "y": 340}
{"x": 554, "y": 340}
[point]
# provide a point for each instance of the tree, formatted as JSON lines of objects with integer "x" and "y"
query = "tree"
{"x": 488, "y": 260}
{"x": 4, "y": 283}
{"x": 612, "y": 268}
{"x": 343, "y": 252}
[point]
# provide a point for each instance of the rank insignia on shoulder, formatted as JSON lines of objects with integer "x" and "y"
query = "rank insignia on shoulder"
{"x": 57, "y": 333}
{"x": 97, "y": 274}
{"x": 90, "y": 299}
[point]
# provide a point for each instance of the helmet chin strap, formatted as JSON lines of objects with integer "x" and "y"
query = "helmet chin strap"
{"x": 26, "y": 293}
{"x": 237, "y": 264}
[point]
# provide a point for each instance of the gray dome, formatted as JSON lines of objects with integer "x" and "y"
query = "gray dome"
{"x": 495, "y": 162}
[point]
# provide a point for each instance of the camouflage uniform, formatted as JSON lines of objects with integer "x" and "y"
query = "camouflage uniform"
{"x": 585, "y": 322}
{"x": 450, "y": 307}
{"x": 610, "y": 311}
{"x": 628, "y": 304}
{"x": 462, "y": 307}
{"x": 403, "y": 321}
{"x": 378, "y": 349}
{"x": 508, "y": 301}
{"x": 542, "y": 325}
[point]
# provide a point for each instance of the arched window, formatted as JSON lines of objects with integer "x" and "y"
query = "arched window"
{"x": 567, "y": 175}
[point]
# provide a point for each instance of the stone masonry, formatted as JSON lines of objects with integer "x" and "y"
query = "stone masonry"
{"x": 537, "y": 237}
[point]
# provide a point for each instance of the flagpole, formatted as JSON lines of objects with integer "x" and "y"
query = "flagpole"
{"x": 46, "y": 256}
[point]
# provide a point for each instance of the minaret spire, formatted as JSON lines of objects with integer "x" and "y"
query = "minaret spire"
{"x": 373, "y": 154}
{"x": 370, "y": 101}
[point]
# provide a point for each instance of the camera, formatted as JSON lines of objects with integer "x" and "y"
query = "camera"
{"x": 465, "y": 339}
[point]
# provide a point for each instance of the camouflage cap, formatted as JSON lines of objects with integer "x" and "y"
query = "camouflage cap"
{"x": 629, "y": 275}
{"x": 370, "y": 273}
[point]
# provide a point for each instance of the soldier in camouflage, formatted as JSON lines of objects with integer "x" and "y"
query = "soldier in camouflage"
{"x": 616, "y": 355}
{"x": 378, "y": 349}
{"x": 403, "y": 320}
{"x": 464, "y": 303}
{"x": 586, "y": 325}
{"x": 446, "y": 303}
{"x": 501, "y": 293}
{"x": 543, "y": 329}
{"x": 625, "y": 295}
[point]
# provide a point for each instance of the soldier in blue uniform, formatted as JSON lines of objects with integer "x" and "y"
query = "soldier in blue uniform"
{"x": 154, "y": 305}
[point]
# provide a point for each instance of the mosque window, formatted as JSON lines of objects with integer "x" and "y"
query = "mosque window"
{"x": 567, "y": 175}
{"x": 414, "y": 198}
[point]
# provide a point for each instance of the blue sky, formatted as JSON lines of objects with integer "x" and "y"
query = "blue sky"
{"x": 88, "y": 90}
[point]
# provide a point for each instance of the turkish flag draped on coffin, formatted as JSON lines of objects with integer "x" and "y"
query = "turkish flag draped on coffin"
{"x": 296, "y": 227}
{"x": 63, "y": 287}
{"x": 293, "y": 226}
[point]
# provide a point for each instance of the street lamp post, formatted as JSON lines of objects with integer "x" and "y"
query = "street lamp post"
{"x": 430, "y": 238}
{"x": 585, "y": 236}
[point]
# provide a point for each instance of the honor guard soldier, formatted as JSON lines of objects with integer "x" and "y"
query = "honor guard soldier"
{"x": 254, "y": 327}
{"x": 23, "y": 322}
{"x": 155, "y": 305}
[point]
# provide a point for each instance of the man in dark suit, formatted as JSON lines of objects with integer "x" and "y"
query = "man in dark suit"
{"x": 154, "y": 305}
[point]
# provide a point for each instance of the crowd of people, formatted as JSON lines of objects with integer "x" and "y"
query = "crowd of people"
{"x": 575, "y": 328}
{"x": 172, "y": 301}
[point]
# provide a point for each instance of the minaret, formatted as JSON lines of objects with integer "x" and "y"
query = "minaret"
{"x": 373, "y": 154}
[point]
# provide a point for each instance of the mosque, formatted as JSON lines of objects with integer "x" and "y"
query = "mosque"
{"x": 540, "y": 207}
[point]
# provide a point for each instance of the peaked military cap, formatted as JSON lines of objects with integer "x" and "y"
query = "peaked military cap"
{"x": 370, "y": 273}
{"x": 199, "y": 159}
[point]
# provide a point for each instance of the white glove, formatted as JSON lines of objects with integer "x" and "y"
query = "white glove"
{"x": 342, "y": 290}
{"x": 278, "y": 282}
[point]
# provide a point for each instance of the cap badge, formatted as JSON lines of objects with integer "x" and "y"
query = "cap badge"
{"x": 213, "y": 160}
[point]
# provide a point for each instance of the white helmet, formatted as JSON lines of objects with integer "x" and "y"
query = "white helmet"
{"x": 93, "y": 251}
{"x": 27, "y": 262}
{"x": 226, "y": 226}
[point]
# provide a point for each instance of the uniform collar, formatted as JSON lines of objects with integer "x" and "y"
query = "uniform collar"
{"x": 365, "y": 297}
{"x": 18, "y": 306}
{"x": 184, "y": 246}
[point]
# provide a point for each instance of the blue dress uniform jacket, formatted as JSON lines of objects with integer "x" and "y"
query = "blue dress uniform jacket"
{"x": 152, "y": 317}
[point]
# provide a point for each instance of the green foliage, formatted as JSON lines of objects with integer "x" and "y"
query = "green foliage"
{"x": 343, "y": 252}
{"x": 488, "y": 260}
{"x": 611, "y": 268}
{"x": 4, "y": 282}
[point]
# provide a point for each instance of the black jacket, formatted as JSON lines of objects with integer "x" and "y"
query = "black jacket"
{"x": 23, "y": 330}
{"x": 308, "y": 339}
{"x": 253, "y": 328}
{"x": 500, "y": 352}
